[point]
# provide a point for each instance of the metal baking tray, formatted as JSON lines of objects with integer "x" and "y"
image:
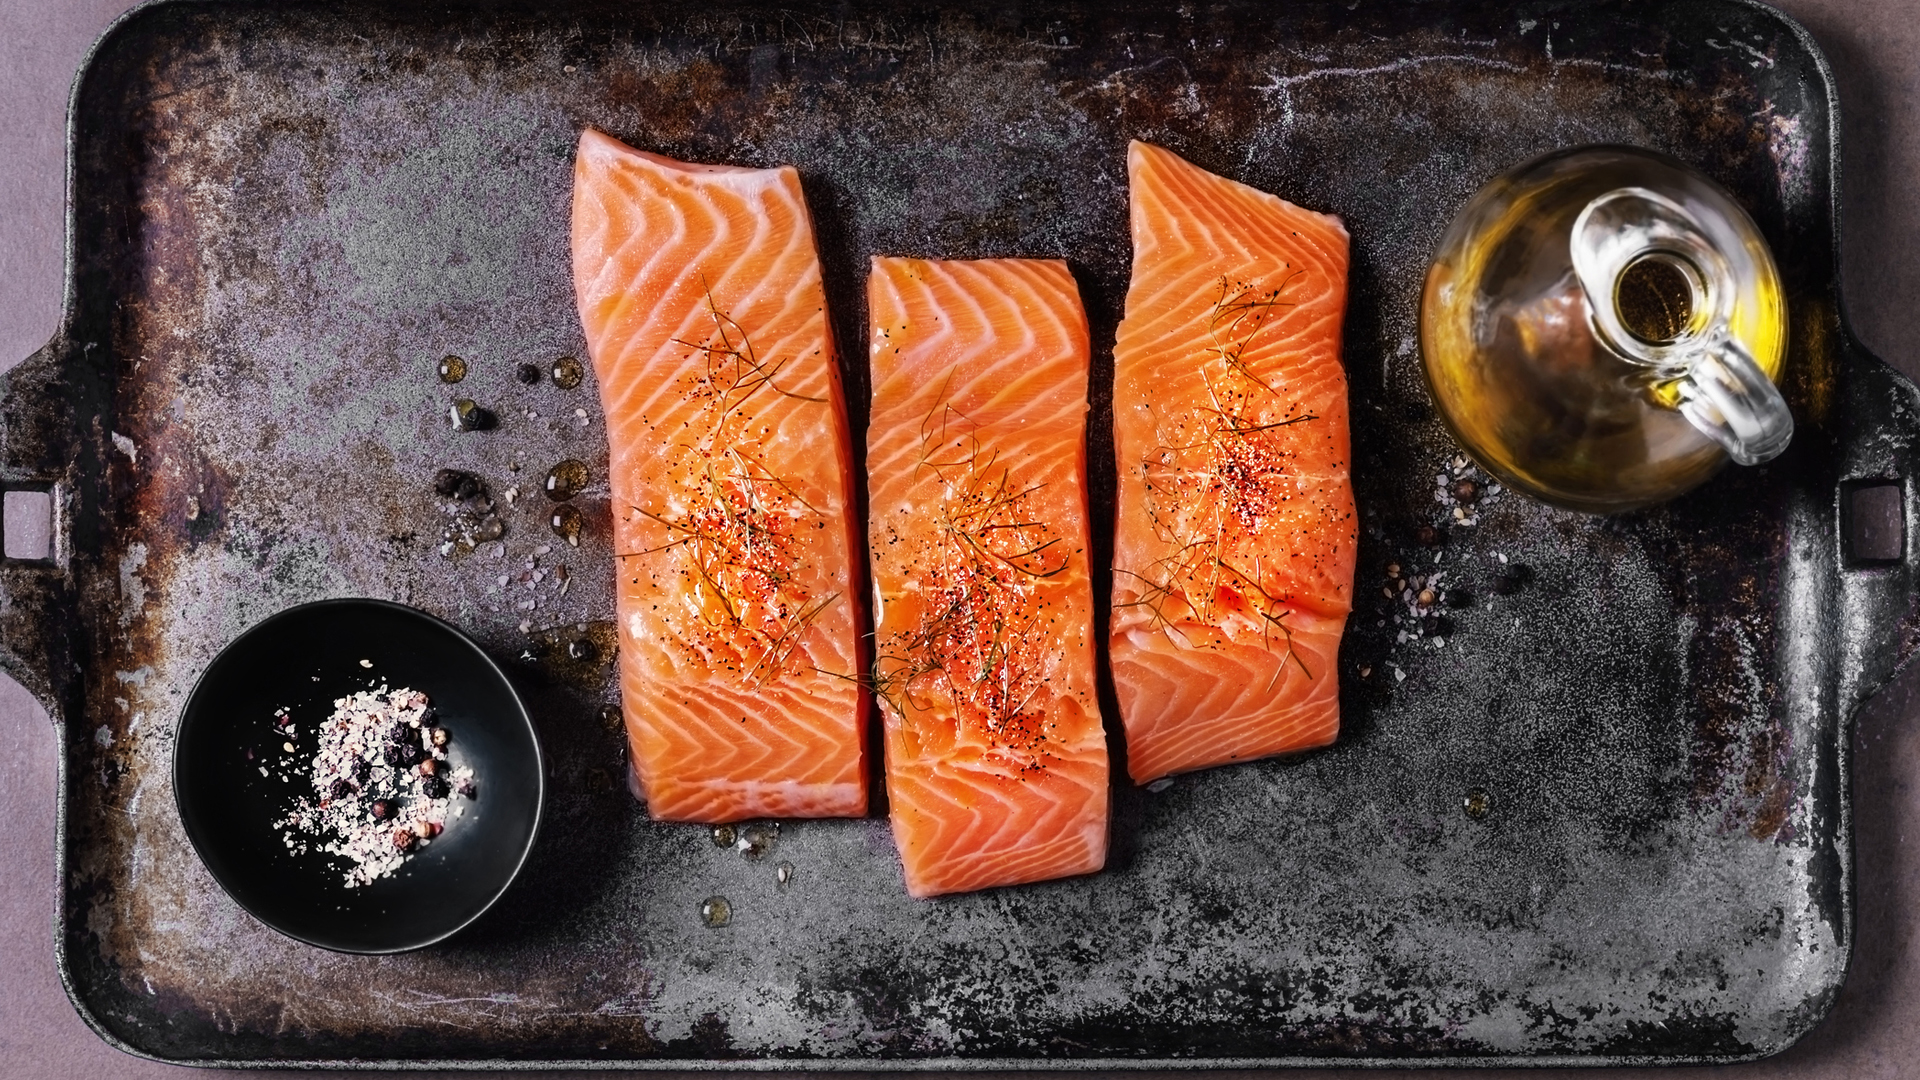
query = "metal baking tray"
{"x": 284, "y": 215}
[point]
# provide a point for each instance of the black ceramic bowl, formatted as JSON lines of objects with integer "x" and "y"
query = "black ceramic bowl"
{"x": 302, "y": 659}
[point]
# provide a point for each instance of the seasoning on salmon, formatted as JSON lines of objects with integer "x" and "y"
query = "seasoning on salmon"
{"x": 699, "y": 289}
{"x": 976, "y": 472}
{"x": 1235, "y": 535}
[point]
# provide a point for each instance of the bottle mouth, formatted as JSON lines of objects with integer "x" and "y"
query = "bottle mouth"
{"x": 1661, "y": 298}
{"x": 1656, "y": 285}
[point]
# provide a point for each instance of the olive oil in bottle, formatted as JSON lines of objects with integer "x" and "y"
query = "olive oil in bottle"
{"x": 1599, "y": 329}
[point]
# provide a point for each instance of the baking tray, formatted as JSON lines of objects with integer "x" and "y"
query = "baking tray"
{"x": 1606, "y": 822}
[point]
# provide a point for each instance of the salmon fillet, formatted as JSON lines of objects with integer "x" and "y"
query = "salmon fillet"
{"x": 1235, "y": 540}
{"x": 976, "y": 473}
{"x": 699, "y": 290}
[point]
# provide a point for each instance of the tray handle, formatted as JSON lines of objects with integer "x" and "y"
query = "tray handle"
{"x": 1877, "y": 518}
{"x": 38, "y": 451}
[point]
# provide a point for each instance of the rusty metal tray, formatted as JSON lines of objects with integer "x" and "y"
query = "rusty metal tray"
{"x": 283, "y": 216}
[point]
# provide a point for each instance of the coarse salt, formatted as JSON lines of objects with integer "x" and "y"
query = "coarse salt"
{"x": 374, "y": 797}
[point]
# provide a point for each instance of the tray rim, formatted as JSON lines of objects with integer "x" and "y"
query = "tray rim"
{"x": 60, "y": 353}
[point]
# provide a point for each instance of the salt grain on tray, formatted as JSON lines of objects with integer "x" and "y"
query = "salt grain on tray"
{"x": 382, "y": 785}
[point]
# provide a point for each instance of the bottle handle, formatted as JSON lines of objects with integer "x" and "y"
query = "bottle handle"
{"x": 1718, "y": 385}
{"x": 1732, "y": 402}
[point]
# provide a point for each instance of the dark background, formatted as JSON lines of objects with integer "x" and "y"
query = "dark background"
{"x": 1874, "y": 1030}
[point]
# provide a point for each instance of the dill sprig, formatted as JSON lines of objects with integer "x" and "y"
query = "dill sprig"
{"x": 983, "y": 643}
{"x": 740, "y": 531}
{"x": 1238, "y": 315}
{"x": 1217, "y": 477}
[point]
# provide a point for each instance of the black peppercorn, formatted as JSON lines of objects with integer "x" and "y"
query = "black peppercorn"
{"x": 339, "y": 789}
{"x": 1459, "y": 598}
{"x": 467, "y": 416}
{"x": 434, "y": 787}
{"x": 1511, "y": 579}
{"x": 1428, "y": 536}
{"x": 1466, "y": 491}
{"x": 397, "y": 754}
{"x": 528, "y": 374}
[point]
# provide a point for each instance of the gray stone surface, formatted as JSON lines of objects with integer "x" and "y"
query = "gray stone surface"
{"x": 1871, "y": 43}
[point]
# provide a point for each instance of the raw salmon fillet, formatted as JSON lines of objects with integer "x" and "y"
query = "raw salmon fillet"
{"x": 699, "y": 289}
{"x": 976, "y": 476}
{"x": 1235, "y": 539}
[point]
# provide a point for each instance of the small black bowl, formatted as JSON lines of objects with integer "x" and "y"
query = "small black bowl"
{"x": 302, "y": 659}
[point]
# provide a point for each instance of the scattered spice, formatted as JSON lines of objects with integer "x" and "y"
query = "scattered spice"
{"x": 454, "y": 483}
{"x": 1463, "y": 492}
{"x": 1411, "y": 599}
{"x": 470, "y": 512}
